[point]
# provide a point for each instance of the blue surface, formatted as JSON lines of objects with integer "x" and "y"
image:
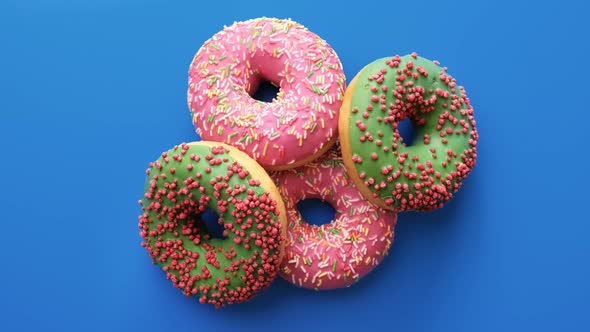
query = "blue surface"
{"x": 91, "y": 91}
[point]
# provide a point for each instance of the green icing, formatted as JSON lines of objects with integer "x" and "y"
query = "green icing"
{"x": 183, "y": 172}
{"x": 425, "y": 122}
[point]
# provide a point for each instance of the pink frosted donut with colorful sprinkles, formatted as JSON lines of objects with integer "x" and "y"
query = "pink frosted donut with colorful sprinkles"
{"x": 337, "y": 254}
{"x": 299, "y": 124}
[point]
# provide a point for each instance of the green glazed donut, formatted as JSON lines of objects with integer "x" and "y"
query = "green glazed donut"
{"x": 180, "y": 186}
{"x": 388, "y": 172}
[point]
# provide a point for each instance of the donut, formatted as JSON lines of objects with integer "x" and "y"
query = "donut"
{"x": 396, "y": 176}
{"x": 337, "y": 254}
{"x": 186, "y": 181}
{"x": 299, "y": 124}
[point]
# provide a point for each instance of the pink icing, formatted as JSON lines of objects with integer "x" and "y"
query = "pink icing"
{"x": 337, "y": 254}
{"x": 228, "y": 69}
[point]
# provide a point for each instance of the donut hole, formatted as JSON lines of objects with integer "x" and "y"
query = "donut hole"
{"x": 266, "y": 91}
{"x": 210, "y": 219}
{"x": 406, "y": 131}
{"x": 316, "y": 211}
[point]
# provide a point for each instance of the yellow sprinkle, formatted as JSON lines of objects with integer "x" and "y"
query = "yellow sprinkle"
{"x": 248, "y": 63}
{"x": 275, "y": 146}
{"x": 322, "y": 122}
{"x": 368, "y": 260}
{"x": 366, "y": 231}
{"x": 300, "y": 141}
{"x": 264, "y": 150}
{"x": 252, "y": 132}
{"x": 323, "y": 274}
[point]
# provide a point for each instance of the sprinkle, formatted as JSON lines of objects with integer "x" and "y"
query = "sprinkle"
{"x": 246, "y": 135}
{"x": 219, "y": 131}
{"x": 334, "y": 231}
{"x": 211, "y": 117}
{"x": 264, "y": 149}
{"x": 227, "y": 71}
{"x": 334, "y": 266}
{"x": 317, "y": 90}
{"x": 313, "y": 127}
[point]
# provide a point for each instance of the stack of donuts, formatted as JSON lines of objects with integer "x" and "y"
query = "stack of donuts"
{"x": 319, "y": 138}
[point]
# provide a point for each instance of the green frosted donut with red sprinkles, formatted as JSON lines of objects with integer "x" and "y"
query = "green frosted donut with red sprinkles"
{"x": 186, "y": 181}
{"x": 390, "y": 173}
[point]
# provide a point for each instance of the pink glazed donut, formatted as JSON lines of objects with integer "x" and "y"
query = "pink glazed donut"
{"x": 300, "y": 124}
{"x": 337, "y": 254}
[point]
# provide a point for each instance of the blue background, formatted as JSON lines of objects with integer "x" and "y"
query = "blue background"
{"x": 91, "y": 91}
